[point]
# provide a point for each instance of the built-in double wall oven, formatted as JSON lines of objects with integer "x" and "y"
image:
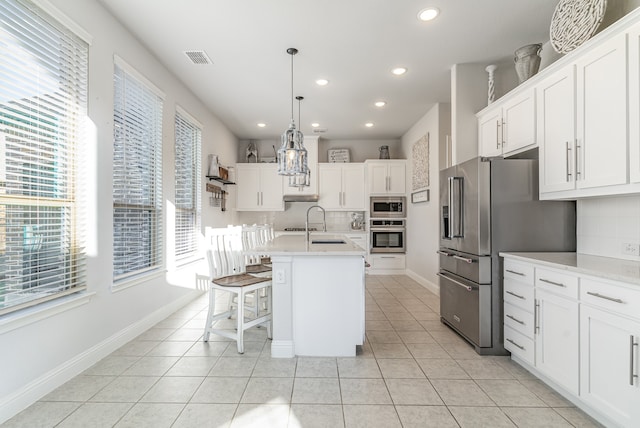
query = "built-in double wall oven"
{"x": 387, "y": 224}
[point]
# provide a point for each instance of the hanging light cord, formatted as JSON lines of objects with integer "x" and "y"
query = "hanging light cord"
{"x": 292, "y": 54}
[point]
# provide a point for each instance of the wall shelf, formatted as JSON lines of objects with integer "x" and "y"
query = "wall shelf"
{"x": 221, "y": 180}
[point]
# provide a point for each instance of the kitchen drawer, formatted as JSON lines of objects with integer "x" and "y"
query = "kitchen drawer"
{"x": 388, "y": 261}
{"x": 521, "y": 272}
{"x": 519, "y": 319}
{"x": 519, "y": 345}
{"x": 557, "y": 282}
{"x": 624, "y": 300}
{"x": 518, "y": 294}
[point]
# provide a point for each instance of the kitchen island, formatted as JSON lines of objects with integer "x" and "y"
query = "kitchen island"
{"x": 318, "y": 295}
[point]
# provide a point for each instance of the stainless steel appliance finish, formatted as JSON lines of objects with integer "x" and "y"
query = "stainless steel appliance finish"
{"x": 388, "y": 207}
{"x": 387, "y": 235}
{"x": 488, "y": 206}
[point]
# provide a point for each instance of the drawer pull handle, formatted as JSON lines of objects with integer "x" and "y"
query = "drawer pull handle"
{"x": 613, "y": 299}
{"x": 464, "y": 259}
{"x": 515, "y": 319}
{"x": 515, "y": 344}
{"x": 514, "y": 272}
{"x": 559, "y": 284}
{"x": 515, "y": 295}
{"x": 632, "y": 345}
{"x": 536, "y": 317}
{"x": 468, "y": 288}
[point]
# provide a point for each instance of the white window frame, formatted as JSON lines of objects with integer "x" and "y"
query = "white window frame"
{"x": 137, "y": 176}
{"x": 188, "y": 167}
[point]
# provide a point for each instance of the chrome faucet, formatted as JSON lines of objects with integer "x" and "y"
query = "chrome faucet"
{"x": 306, "y": 223}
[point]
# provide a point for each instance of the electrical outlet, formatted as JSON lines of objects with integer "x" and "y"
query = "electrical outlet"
{"x": 280, "y": 277}
{"x": 630, "y": 249}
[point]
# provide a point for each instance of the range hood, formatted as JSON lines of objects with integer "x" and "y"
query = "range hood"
{"x": 301, "y": 198}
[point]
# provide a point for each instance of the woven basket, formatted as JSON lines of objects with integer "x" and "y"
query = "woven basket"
{"x": 574, "y": 22}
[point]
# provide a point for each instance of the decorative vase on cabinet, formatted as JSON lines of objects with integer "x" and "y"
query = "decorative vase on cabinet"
{"x": 527, "y": 61}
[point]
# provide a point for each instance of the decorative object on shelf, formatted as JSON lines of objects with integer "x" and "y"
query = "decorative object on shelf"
{"x": 384, "y": 152}
{"x": 292, "y": 156}
{"x": 300, "y": 180}
{"x": 420, "y": 196}
{"x": 218, "y": 196}
{"x": 338, "y": 155}
{"x": 357, "y": 220}
{"x": 252, "y": 153}
{"x": 420, "y": 157}
{"x": 527, "y": 61}
{"x": 574, "y": 22}
{"x": 212, "y": 166}
{"x": 491, "y": 90}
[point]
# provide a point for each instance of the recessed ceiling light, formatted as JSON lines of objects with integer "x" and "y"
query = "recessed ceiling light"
{"x": 380, "y": 103}
{"x": 261, "y": 125}
{"x": 368, "y": 124}
{"x": 428, "y": 14}
{"x": 399, "y": 71}
{"x": 315, "y": 124}
{"x": 322, "y": 82}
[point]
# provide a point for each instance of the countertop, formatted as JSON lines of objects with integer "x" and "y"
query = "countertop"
{"x": 604, "y": 267}
{"x": 296, "y": 245}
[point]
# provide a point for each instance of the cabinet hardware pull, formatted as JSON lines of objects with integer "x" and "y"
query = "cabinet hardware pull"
{"x": 515, "y": 344}
{"x": 578, "y": 173}
{"x": 514, "y": 294}
{"x": 444, "y": 253}
{"x": 515, "y": 319}
{"x": 632, "y": 346}
{"x": 568, "y": 164}
{"x": 257, "y": 198}
{"x": 536, "y": 317}
{"x": 552, "y": 283}
{"x": 498, "y": 134}
{"x": 455, "y": 282}
{"x": 504, "y": 126}
{"x": 464, "y": 259}
{"x": 613, "y": 299}
{"x": 514, "y": 272}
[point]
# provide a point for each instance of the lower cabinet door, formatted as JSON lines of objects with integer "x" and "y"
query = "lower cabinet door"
{"x": 557, "y": 339}
{"x": 609, "y": 365}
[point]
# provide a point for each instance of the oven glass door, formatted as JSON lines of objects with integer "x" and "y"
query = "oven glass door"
{"x": 387, "y": 241}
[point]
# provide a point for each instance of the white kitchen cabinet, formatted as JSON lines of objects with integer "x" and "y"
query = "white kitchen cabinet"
{"x": 557, "y": 338}
{"x": 259, "y": 188}
{"x": 634, "y": 103}
{"x": 360, "y": 239}
{"x": 311, "y": 145}
{"x": 509, "y": 127}
{"x": 386, "y": 177}
{"x": 387, "y": 262}
{"x": 610, "y": 364}
{"x": 342, "y": 186}
{"x": 519, "y": 319}
{"x": 601, "y": 132}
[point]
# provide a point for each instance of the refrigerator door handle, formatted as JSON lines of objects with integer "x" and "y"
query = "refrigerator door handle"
{"x": 458, "y": 283}
{"x": 456, "y": 207}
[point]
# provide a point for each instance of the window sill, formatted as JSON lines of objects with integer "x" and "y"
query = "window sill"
{"x": 42, "y": 311}
{"x": 137, "y": 280}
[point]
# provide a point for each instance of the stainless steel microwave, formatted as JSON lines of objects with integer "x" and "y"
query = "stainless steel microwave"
{"x": 388, "y": 207}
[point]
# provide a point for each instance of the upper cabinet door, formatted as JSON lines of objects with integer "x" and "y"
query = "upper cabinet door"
{"x": 248, "y": 187}
{"x": 397, "y": 178}
{"x": 489, "y": 135}
{"x": 556, "y": 130}
{"x": 271, "y": 185}
{"x": 377, "y": 177}
{"x": 519, "y": 122}
{"x": 353, "y": 189}
{"x": 634, "y": 104}
{"x": 601, "y": 133}
{"x": 330, "y": 190}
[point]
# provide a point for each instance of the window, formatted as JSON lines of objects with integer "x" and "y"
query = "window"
{"x": 43, "y": 101}
{"x": 187, "y": 198}
{"x": 137, "y": 174}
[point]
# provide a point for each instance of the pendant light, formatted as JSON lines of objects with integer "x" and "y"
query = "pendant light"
{"x": 300, "y": 180}
{"x": 292, "y": 156}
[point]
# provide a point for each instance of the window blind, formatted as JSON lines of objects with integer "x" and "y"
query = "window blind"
{"x": 137, "y": 176}
{"x": 187, "y": 196}
{"x": 43, "y": 100}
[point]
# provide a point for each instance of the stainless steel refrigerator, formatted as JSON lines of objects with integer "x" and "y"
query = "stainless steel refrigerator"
{"x": 488, "y": 206}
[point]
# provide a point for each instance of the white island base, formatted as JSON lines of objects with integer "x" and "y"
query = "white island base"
{"x": 318, "y": 297}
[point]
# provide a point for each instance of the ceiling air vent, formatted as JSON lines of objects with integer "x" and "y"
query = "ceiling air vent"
{"x": 319, "y": 130}
{"x": 198, "y": 57}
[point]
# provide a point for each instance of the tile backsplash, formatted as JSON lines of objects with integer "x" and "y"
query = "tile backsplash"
{"x": 609, "y": 227}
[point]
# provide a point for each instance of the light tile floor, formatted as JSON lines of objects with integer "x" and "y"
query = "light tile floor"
{"x": 412, "y": 372}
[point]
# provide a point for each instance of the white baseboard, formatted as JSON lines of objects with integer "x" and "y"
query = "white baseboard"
{"x": 435, "y": 289}
{"x": 282, "y": 349}
{"x": 38, "y": 388}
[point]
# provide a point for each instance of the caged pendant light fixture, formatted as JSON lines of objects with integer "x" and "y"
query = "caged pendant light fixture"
{"x": 292, "y": 156}
{"x": 300, "y": 180}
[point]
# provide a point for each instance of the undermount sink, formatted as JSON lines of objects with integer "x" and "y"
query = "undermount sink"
{"x": 328, "y": 241}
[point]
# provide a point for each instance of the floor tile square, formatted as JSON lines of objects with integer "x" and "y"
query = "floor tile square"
{"x": 436, "y": 368}
{"x": 358, "y": 368}
{"x": 125, "y": 389}
{"x": 205, "y": 415}
{"x": 242, "y": 367}
{"x": 536, "y": 417}
{"x": 207, "y": 349}
{"x": 316, "y": 391}
{"x": 461, "y": 393}
{"x": 275, "y": 367}
{"x": 546, "y": 394}
{"x": 80, "y": 388}
{"x": 173, "y": 390}
{"x": 383, "y": 336}
{"x": 268, "y": 390}
{"x": 484, "y": 369}
{"x": 364, "y": 391}
{"x": 220, "y": 390}
{"x": 510, "y": 393}
{"x": 42, "y": 415}
{"x": 317, "y": 367}
{"x": 96, "y": 415}
{"x": 170, "y": 349}
{"x": 390, "y": 350}
{"x": 472, "y": 417}
{"x": 261, "y": 416}
{"x": 400, "y": 368}
{"x": 371, "y": 417}
{"x": 413, "y": 392}
{"x": 151, "y": 415}
{"x": 151, "y": 366}
{"x": 415, "y": 336}
{"x": 112, "y": 365}
{"x": 192, "y": 366}
{"x": 426, "y": 417}
{"x": 427, "y": 350}
{"x": 316, "y": 416}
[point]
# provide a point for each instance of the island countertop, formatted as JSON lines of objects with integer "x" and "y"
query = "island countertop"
{"x": 287, "y": 245}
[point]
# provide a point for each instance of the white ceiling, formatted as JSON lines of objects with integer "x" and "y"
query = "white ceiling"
{"x": 353, "y": 43}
